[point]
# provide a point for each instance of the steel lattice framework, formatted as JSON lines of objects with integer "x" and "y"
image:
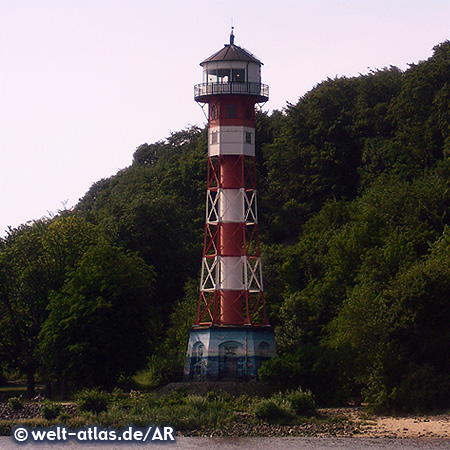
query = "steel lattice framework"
{"x": 241, "y": 270}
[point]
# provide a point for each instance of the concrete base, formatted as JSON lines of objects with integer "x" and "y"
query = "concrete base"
{"x": 228, "y": 353}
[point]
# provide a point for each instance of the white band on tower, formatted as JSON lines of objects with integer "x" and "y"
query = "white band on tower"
{"x": 231, "y": 205}
{"x": 234, "y": 140}
{"x": 231, "y": 273}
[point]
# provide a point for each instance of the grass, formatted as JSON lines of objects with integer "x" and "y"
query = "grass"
{"x": 179, "y": 410}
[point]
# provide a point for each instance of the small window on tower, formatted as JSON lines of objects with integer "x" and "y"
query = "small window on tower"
{"x": 248, "y": 137}
{"x": 231, "y": 111}
{"x": 213, "y": 137}
{"x": 213, "y": 112}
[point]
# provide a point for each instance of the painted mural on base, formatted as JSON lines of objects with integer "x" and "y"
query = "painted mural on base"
{"x": 231, "y": 353}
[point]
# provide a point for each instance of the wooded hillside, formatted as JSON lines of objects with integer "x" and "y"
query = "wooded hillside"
{"x": 354, "y": 208}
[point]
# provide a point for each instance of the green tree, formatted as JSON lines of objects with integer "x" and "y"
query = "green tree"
{"x": 156, "y": 207}
{"x": 398, "y": 334}
{"x": 100, "y": 323}
{"x": 34, "y": 260}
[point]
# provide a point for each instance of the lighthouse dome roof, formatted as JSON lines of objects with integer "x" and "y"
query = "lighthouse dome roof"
{"x": 232, "y": 52}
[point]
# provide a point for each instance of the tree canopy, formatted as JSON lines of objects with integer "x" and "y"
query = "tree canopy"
{"x": 354, "y": 201}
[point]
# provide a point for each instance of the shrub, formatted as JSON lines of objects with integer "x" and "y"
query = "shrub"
{"x": 197, "y": 401}
{"x": 189, "y": 413}
{"x": 320, "y": 369}
{"x": 64, "y": 416}
{"x": 281, "y": 373}
{"x": 15, "y": 403}
{"x": 92, "y": 400}
{"x": 160, "y": 371}
{"x": 419, "y": 389}
{"x": 50, "y": 410}
{"x": 118, "y": 395}
{"x": 273, "y": 409}
{"x": 224, "y": 397}
{"x": 6, "y": 427}
{"x": 243, "y": 403}
{"x": 178, "y": 397}
{"x": 302, "y": 402}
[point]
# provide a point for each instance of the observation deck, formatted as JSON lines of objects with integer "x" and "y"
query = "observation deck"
{"x": 203, "y": 91}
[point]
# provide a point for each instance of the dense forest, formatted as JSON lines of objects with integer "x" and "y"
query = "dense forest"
{"x": 354, "y": 209}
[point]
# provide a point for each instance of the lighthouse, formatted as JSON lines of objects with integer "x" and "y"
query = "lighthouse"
{"x": 231, "y": 336}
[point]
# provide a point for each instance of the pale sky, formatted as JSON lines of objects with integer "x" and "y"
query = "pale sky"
{"x": 85, "y": 82}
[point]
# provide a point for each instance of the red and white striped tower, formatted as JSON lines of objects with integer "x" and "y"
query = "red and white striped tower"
{"x": 231, "y": 317}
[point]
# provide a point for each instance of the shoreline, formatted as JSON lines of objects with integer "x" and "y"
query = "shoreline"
{"x": 350, "y": 422}
{"x": 344, "y": 423}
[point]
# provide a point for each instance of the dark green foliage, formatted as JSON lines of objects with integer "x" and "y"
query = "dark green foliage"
{"x": 316, "y": 368}
{"x": 283, "y": 408}
{"x": 273, "y": 410}
{"x": 92, "y": 400}
{"x": 316, "y": 155}
{"x": 409, "y": 371}
{"x": 302, "y": 402}
{"x": 354, "y": 217}
{"x": 156, "y": 208}
{"x": 50, "y": 410}
{"x": 15, "y": 403}
{"x": 363, "y": 298}
{"x": 99, "y": 323}
{"x": 175, "y": 398}
{"x": 34, "y": 261}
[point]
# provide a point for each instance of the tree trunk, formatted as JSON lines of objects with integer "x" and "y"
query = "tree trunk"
{"x": 48, "y": 389}
{"x": 31, "y": 384}
{"x": 64, "y": 388}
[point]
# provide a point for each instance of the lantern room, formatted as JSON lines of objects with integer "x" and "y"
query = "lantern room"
{"x": 231, "y": 70}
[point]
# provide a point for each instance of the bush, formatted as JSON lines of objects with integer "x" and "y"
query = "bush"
{"x": 177, "y": 397}
{"x": 243, "y": 403}
{"x": 118, "y": 395}
{"x": 283, "y": 372}
{"x": 92, "y": 400}
{"x": 419, "y": 389}
{"x": 50, "y": 410}
{"x": 191, "y": 412}
{"x": 274, "y": 409}
{"x": 316, "y": 368}
{"x": 302, "y": 402}
{"x": 198, "y": 401}
{"x": 284, "y": 407}
{"x": 160, "y": 371}
{"x": 15, "y": 403}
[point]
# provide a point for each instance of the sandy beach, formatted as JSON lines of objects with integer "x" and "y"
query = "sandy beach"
{"x": 411, "y": 426}
{"x": 408, "y": 427}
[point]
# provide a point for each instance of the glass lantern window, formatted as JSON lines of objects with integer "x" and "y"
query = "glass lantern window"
{"x": 238, "y": 75}
{"x": 225, "y": 75}
{"x": 219, "y": 76}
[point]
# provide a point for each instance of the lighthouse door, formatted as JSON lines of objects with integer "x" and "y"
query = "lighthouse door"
{"x": 231, "y": 360}
{"x": 198, "y": 367}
